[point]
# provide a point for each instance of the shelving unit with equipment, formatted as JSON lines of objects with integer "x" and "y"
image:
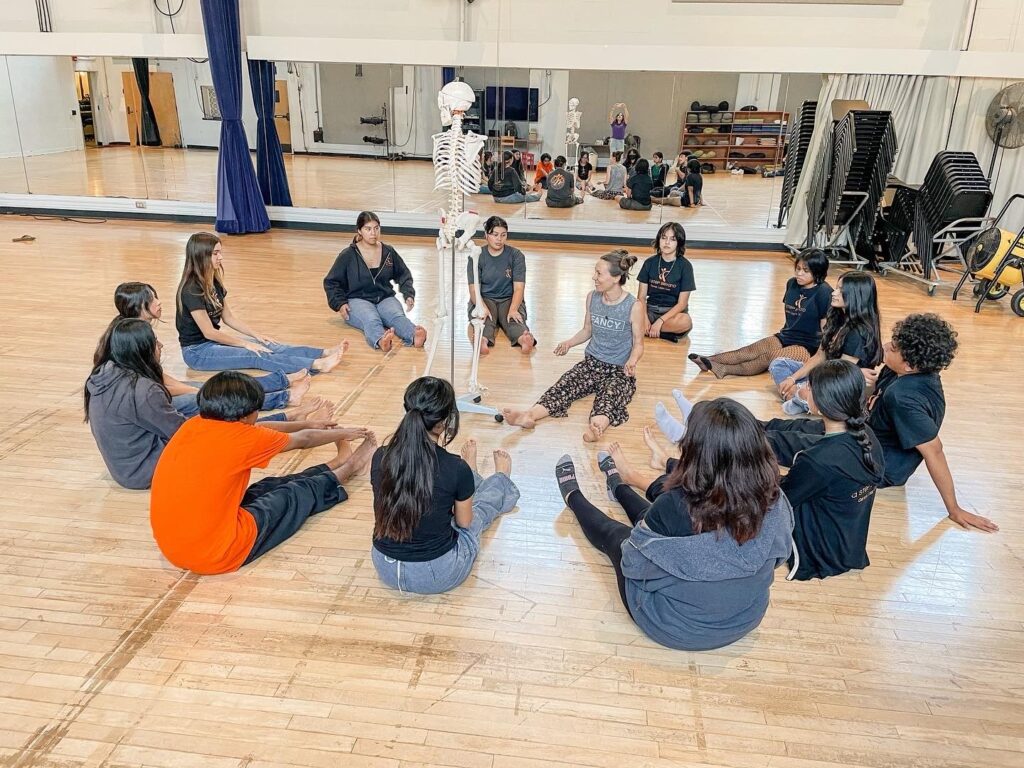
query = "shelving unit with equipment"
{"x": 746, "y": 138}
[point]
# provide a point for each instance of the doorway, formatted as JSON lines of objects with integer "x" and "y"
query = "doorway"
{"x": 85, "y": 91}
{"x": 165, "y": 107}
{"x": 282, "y": 117}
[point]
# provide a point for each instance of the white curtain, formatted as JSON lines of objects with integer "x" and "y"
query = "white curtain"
{"x": 922, "y": 108}
{"x": 967, "y": 132}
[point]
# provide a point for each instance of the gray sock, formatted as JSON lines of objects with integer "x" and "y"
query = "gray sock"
{"x": 565, "y": 474}
{"x": 612, "y": 478}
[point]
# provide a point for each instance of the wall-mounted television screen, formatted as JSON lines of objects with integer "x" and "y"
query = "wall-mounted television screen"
{"x": 505, "y": 103}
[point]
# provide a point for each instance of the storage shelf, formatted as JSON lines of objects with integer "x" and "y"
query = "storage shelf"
{"x": 761, "y": 125}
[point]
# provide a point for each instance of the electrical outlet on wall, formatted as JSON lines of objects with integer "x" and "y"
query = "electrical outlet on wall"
{"x": 140, "y": 203}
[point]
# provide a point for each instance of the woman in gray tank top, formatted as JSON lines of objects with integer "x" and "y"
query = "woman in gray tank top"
{"x": 614, "y": 328}
{"x": 615, "y": 180}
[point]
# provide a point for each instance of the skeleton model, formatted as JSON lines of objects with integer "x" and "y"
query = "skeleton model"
{"x": 572, "y": 132}
{"x": 457, "y": 169}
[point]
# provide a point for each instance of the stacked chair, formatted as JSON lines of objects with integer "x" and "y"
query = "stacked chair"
{"x": 849, "y": 181}
{"x": 797, "y": 142}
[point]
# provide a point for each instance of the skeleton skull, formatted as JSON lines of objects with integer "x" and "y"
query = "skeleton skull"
{"x": 574, "y": 104}
{"x": 454, "y": 97}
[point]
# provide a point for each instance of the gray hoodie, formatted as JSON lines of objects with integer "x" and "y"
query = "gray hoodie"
{"x": 705, "y": 591}
{"x": 131, "y": 423}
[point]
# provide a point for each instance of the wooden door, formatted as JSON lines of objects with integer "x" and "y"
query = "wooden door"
{"x": 282, "y": 118}
{"x": 165, "y": 107}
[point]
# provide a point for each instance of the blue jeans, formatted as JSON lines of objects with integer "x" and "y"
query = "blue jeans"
{"x": 517, "y": 197}
{"x": 283, "y": 358}
{"x": 275, "y": 395}
{"x": 784, "y": 367}
{"x": 373, "y": 319}
{"x": 494, "y": 495}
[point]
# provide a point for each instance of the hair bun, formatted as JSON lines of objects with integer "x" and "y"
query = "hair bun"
{"x": 626, "y": 260}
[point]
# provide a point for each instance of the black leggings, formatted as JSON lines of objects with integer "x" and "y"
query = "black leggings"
{"x": 607, "y": 534}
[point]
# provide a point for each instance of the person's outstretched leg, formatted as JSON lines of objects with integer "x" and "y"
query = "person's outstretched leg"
{"x": 614, "y": 391}
{"x": 604, "y": 534}
{"x": 745, "y": 361}
{"x": 574, "y": 384}
{"x": 634, "y": 504}
{"x": 210, "y": 356}
{"x": 633, "y": 476}
{"x": 281, "y": 505}
{"x": 363, "y": 316}
{"x": 393, "y": 316}
{"x": 670, "y": 426}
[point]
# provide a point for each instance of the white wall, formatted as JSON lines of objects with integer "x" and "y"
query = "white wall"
{"x": 45, "y": 106}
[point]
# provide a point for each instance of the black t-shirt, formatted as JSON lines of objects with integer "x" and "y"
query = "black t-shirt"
{"x": 805, "y": 307}
{"x": 906, "y": 411}
{"x": 583, "y": 171}
{"x": 669, "y": 515}
{"x": 561, "y": 186}
{"x": 435, "y": 534}
{"x": 696, "y": 181}
{"x": 189, "y": 333}
{"x": 832, "y": 491}
{"x": 665, "y": 280}
{"x": 859, "y": 345}
{"x": 640, "y": 188}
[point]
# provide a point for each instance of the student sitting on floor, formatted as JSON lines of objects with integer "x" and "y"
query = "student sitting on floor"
{"x": 129, "y": 409}
{"x": 614, "y": 180}
{"x": 695, "y": 567}
{"x": 430, "y": 507}
{"x": 540, "y": 175}
{"x": 630, "y": 160}
{"x": 666, "y": 282}
{"x": 139, "y": 300}
{"x": 659, "y": 170}
{"x": 907, "y": 409}
{"x": 852, "y": 331}
{"x": 638, "y": 188}
{"x": 204, "y": 514}
{"x": 502, "y": 288}
{"x": 689, "y": 191}
{"x": 584, "y": 174}
{"x": 486, "y": 166}
{"x": 203, "y": 306}
{"x": 560, "y": 186}
{"x": 361, "y": 288}
{"x": 806, "y": 302}
{"x": 506, "y": 185}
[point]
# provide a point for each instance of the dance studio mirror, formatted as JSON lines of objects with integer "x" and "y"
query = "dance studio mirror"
{"x": 358, "y": 136}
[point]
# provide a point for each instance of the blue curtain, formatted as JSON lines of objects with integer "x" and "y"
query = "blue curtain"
{"x": 447, "y": 75}
{"x": 269, "y": 157}
{"x": 240, "y": 205}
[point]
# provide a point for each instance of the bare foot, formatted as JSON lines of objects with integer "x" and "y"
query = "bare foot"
{"x": 386, "y": 341}
{"x": 591, "y": 434}
{"x": 344, "y": 454}
{"x": 359, "y": 460}
{"x": 518, "y": 418}
{"x": 298, "y": 390}
{"x": 324, "y": 411}
{"x": 297, "y": 376}
{"x": 468, "y": 453}
{"x": 527, "y": 343}
{"x": 420, "y": 337}
{"x": 328, "y": 363}
{"x": 304, "y": 411}
{"x": 626, "y": 471}
{"x": 502, "y": 462}
{"x": 339, "y": 349}
{"x": 485, "y": 348}
{"x": 658, "y": 455}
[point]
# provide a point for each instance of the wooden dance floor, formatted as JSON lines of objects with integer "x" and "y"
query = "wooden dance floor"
{"x": 353, "y": 183}
{"x": 111, "y": 657}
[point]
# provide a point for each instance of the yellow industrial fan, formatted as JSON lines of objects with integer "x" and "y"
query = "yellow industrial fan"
{"x": 996, "y": 260}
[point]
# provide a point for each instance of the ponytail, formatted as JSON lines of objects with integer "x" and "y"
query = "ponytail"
{"x": 409, "y": 458}
{"x": 837, "y": 387}
{"x": 407, "y": 471}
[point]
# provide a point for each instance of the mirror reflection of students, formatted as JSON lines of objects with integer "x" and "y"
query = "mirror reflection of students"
{"x": 618, "y": 119}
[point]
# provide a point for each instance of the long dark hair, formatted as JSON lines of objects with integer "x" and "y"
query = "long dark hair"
{"x": 409, "y": 459}
{"x": 131, "y": 346}
{"x": 364, "y": 218}
{"x": 837, "y": 387}
{"x": 680, "y": 234}
{"x": 130, "y": 299}
{"x": 632, "y": 155}
{"x": 860, "y": 314}
{"x": 726, "y": 471}
{"x": 199, "y": 267}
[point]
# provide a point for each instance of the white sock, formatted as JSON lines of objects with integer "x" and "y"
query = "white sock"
{"x": 669, "y": 425}
{"x": 684, "y": 405}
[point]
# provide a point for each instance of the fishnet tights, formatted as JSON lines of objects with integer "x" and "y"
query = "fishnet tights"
{"x": 754, "y": 358}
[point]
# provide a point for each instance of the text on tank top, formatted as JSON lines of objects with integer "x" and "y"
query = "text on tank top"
{"x": 611, "y": 334}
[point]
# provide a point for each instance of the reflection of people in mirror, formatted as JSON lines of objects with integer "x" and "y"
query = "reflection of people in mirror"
{"x": 618, "y": 119}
